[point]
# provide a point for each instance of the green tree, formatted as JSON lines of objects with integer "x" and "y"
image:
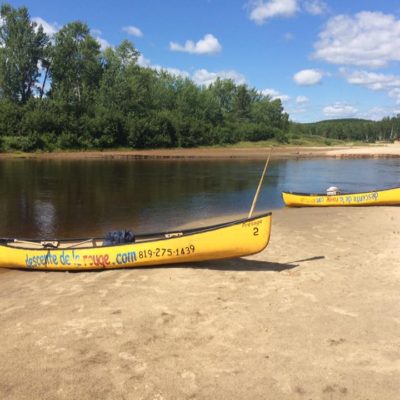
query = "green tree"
{"x": 242, "y": 102}
{"x": 22, "y": 47}
{"x": 118, "y": 64}
{"x": 75, "y": 66}
{"x": 224, "y": 91}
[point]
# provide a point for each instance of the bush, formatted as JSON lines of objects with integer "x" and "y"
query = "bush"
{"x": 49, "y": 141}
{"x": 25, "y": 143}
{"x": 281, "y": 137}
{"x": 107, "y": 128}
{"x": 104, "y": 141}
{"x": 153, "y": 131}
{"x": 37, "y": 118}
{"x": 34, "y": 142}
{"x": 68, "y": 140}
{"x": 10, "y": 118}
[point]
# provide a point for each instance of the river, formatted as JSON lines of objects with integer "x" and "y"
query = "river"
{"x": 78, "y": 198}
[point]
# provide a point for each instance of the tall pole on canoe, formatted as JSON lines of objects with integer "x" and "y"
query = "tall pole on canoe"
{"x": 253, "y": 206}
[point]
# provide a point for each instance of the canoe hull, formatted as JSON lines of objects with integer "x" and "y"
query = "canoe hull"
{"x": 388, "y": 197}
{"x": 235, "y": 239}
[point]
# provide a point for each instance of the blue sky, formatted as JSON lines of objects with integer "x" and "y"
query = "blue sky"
{"x": 324, "y": 59}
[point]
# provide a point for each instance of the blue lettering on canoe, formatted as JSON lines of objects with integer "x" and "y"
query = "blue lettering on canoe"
{"x": 125, "y": 258}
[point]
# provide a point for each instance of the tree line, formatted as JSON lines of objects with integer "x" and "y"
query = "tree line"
{"x": 387, "y": 129}
{"x": 64, "y": 92}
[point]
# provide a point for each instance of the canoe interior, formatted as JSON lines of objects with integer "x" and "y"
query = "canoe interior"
{"x": 90, "y": 243}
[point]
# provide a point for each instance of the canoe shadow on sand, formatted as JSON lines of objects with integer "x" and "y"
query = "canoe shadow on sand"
{"x": 231, "y": 264}
{"x": 242, "y": 264}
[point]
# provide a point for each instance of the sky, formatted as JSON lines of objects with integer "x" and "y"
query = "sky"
{"x": 324, "y": 59}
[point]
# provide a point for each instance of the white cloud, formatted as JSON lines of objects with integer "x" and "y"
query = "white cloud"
{"x": 307, "y": 77}
{"x": 133, "y": 30}
{"x": 263, "y": 10}
{"x": 48, "y": 28}
{"x": 302, "y": 99}
{"x": 275, "y": 94}
{"x": 204, "y": 77}
{"x": 375, "y": 81}
{"x": 368, "y": 38}
{"x": 315, "y": 7}
{"x": 340, "y": 110}
{"x": 371, "y": 80}
{"x": 208, "y": 45}
{"x": 200, "y": 76}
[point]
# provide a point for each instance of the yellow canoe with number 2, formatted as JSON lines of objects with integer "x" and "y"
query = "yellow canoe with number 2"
{"x": 232, "y": 239}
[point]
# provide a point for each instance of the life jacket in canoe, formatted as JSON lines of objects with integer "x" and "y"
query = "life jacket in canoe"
{"x": 118, "y": 237}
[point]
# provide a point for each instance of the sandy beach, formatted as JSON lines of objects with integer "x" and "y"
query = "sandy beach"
{"x": 316, "y": 315}
{"x": 374, "y": 150}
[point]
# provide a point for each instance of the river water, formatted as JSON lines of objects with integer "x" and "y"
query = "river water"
{"x": 78, "y": 198}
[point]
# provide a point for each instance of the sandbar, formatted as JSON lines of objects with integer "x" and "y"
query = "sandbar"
{"x": 282, "y": 152}
{"x": 316, "y": 315}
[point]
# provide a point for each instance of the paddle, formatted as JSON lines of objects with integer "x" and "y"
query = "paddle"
{"x": 253, "y": 206}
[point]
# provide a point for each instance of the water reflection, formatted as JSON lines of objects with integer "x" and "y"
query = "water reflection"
{"x": 45, "y": 218}
{"x": 74, "y": 198}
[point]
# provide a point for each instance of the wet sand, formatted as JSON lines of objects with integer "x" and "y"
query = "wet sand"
{"x": 316, "y": 315}
{"x": 379, "y": 150}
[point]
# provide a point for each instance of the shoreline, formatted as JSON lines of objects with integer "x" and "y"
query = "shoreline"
{"x": 391, "y": 150}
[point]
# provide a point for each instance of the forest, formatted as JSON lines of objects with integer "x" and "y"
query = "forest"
{"x": 387, "y": 129}
{"x": 64, "y": 92}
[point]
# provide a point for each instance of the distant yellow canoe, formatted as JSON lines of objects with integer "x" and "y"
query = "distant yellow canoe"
{"x": 386, "y": 197}
{"x": 233, "y": 239}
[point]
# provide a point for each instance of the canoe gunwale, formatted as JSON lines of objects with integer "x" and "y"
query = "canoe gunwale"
{"x": 147, "y": 237}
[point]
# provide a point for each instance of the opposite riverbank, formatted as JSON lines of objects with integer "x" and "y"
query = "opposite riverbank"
{"x": 313, "y": 316}
{"x": 381, "y": 150}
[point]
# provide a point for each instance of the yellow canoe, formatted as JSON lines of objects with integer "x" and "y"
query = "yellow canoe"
{"x": 386, "y": 197}
{"x": 232, "y": 239}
